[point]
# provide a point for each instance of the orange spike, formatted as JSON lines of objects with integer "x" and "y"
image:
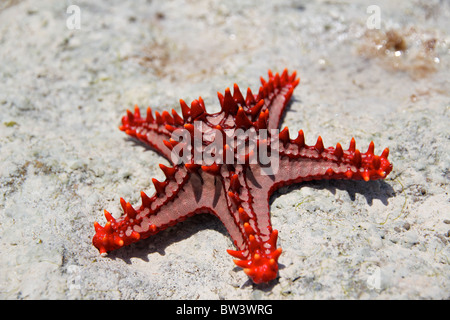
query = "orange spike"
{"x": 212, "y": 169}
{"x": 130, "y": 132}
{"x": 158, "y": 118}
{"x": 108, "y": 216}
{"x": 168, "y": 171}
{"x": 263, "y": 82}
{"x": 338, "y": 152}
{"x": 385, "y": 153}
{"x": 261, "y": 93}
{"x": 357, "y": 158}
{"x": 250, "y": 98}
{"x": 149, "y": 118}
{"x": 257, "y": 108}
{"x": 185, "y": 110}
{"x": 135, "y": 235}
{"x": 196, "y": 109}
{"x": 237, "y": 95}
{"x": 275, "y": 254}
{"x": 108, "y": 228}
{"x": 284, "y": 135}
{"x": 137, "y": 112}
{"x": 173, "y": 142}
{"x": 248, "y": 229}
{"x": 242, "y": 263}
{"x": 243, "y": 215}
{"x": 177, "y": 119}
{"x": 236, "y": 254}
{"x": 249, "y": 272}
{"x": 349, "y": 174}
{"x": 253, "y": 244}
{"x": 221, "y": 98}
{"x": 189, "y": 127}
{"x": 130, "y": 116}
{"x": 273, "y": 238}
{"x": 167, "y": 118}
{"x": 168, "y": 144}
{"x": 270, "y": 87}
{"x": 352, "y": 146}
{"x": 159, "y": 186}
{"x": 97, "y": 226}
{"x": 284, "y": 77}
{"x": 131, "y": 213}
{"x": 234, "y": 182}
{"x": 366, "y": 175}
{"x": 293, "y": 76}
{"x": 229, "y": 105}
{"x": 261, "y": 122}
{"x": 234, "y": 197}
{"x": 276, "y": 80}
{"x": 118, "y": 241}
{"x": 319, "y": 144}
{"x": 202, "y": 103}
{"x": 145, "y": 200}
{"x": 152, "y": 228}
{"x": 289, "y": 94}
{"x": 170, "y": 128}
{"x": 300, "y": 140}
{"x": 123, "y": 203}
{"x": 241, "y": 119}
{"x": 371, "y": 148}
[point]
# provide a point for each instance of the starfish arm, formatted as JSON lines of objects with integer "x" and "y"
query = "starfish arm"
{"x": 277, "y": 92}
{"x": 185, "y": 192}
{"x": 153, "y": 130}
{"x": 299, "y": 162}
{"x": 257, "y": 252}
{"x": 148, "y": 219}
{"x": 171, "y": 203}
{"x": 272, "y": 98}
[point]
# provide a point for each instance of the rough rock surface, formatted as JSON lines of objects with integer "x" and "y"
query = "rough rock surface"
{"x": 63, "y": 159}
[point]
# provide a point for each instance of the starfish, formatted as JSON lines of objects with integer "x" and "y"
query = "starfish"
{"x": 215, "y": 169}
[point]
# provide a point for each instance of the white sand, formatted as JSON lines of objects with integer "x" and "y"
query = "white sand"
{"x": 63, "y": 159}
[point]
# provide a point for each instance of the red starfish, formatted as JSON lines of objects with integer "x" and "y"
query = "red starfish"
{"x": 232, "y": 186}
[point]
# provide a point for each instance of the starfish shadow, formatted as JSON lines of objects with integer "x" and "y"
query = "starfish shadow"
{"x": 144, "y": 146}
{"x": 370, "y": 190}
{"x": 161, "y": 241}
{"x": 288, "y": 109}
{"x": 265, "y": 286}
